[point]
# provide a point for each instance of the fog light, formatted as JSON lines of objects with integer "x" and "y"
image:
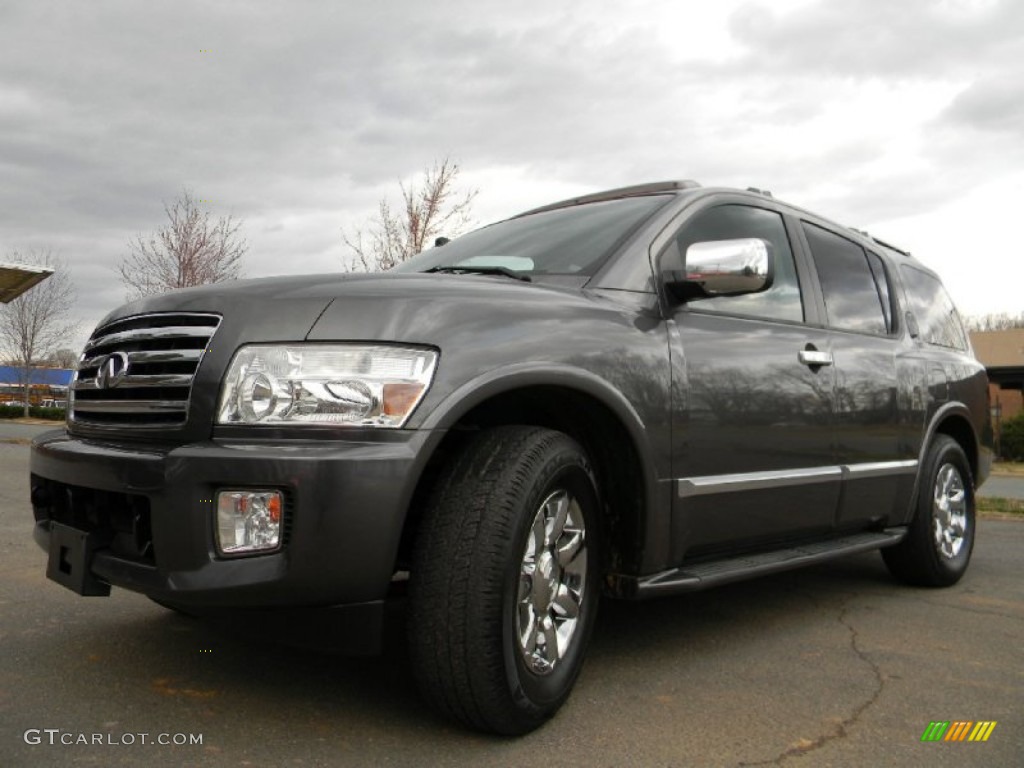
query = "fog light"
{"x": 248, "y": 521}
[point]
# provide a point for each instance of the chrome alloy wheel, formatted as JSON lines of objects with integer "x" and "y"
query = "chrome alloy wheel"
{"x": 950, "y": 511}
{"x": 552, "y": 578}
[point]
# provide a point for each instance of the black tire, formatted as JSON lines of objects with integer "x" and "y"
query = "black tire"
{"x": 932, "y": 554}
{"x": 471, "y": 596}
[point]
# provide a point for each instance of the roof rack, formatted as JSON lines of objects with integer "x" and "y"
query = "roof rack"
{"x": 762, "y": 192}
{"x": 613, "y": 194}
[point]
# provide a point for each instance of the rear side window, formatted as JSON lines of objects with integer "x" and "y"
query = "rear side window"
{"x": 937, "y": 318}
{"x": 852, "y": 298}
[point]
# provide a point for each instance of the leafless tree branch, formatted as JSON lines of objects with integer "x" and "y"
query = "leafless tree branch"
{"x": 36, "y": 323}
{"x": 1000, "y": 321}
{"x": 189, "y": 250}
{"x": 431, "y": 207}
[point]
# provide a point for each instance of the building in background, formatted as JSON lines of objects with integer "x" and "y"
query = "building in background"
{"x": 1002, "y": 354}
{"x": 47, "y": 386}
{"x": 15, "y": 279}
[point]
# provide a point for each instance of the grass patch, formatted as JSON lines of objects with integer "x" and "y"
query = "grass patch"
{"x": 996, "y": 506}
{"x": 1013, "y": 468}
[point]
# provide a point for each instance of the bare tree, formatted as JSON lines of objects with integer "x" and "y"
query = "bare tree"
{"x": 999, "y": 321}
{"x": 36, "y": 323}
{"x": 431, "y": 207}
{"x": 65, "y": 357}
{"x": 190, "y": 250}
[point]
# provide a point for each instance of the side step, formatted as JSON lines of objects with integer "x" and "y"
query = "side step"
{"x": 712, "y": 574}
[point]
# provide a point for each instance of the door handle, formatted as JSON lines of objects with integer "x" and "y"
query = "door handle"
{"x": 814, "y": 357}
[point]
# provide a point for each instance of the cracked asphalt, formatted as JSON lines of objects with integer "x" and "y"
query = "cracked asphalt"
{"x": 831, "y": 666}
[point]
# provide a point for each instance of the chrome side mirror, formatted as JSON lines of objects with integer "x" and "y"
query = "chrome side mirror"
{"x": 724, "y": 268}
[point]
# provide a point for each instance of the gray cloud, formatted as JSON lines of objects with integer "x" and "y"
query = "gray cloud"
{"x": 298, "y": 117}
{"x": 910, "y": 38}
{"x": 993, "y": 105}
{"x": 808, "y": 61}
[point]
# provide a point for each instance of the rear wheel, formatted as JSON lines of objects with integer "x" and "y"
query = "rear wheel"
{"x": 937, "y": 548}
{"x": 505, "y": 580}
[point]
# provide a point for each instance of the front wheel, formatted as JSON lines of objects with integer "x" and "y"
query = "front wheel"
{"x": 937, "y": 548}
{"x": 505, "y": 579}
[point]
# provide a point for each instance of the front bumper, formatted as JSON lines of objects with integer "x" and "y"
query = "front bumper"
{"x": 150, "y": 515}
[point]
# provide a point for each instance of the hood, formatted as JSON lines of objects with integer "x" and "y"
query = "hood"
{"x": 394, "y": 306}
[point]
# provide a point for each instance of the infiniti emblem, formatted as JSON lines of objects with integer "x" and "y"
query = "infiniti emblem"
{"x": 113, "y": 368}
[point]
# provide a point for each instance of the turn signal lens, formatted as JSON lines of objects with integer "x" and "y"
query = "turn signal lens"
{"x": 400, "y": 399}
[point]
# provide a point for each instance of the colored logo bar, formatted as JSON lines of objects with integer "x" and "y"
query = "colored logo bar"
{"x": 958, "y": 730}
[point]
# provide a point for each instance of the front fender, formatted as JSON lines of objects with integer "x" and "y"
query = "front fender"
{"x": 507, "y": 379}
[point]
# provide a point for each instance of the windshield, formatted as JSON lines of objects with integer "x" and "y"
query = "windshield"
{"x": 567, "y": 241}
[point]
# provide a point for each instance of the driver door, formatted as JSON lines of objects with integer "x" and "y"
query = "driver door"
{"x": 753, "y": 417}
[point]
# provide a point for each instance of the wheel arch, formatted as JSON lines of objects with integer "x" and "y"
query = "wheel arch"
{"x": 921, "y": 557}
{"x": 953, "y": 421}
{"x": 572, "y": 401}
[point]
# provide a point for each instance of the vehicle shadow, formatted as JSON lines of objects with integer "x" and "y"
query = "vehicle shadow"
{"x": 730, "y": 614}
{"x": 225, "y": 680}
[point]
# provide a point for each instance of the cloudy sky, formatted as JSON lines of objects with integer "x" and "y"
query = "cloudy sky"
{"x": 905, "y": 118}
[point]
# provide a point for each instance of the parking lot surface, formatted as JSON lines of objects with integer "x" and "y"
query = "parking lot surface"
{"x": 831, "y": 666}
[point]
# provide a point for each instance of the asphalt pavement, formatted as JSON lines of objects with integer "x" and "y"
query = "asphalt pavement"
{"x": 1003, "y": 486}
{"x": 18, "y": 431}
{"x": 835, "y": 665}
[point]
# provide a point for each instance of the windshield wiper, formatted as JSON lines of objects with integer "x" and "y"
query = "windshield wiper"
{"x": 503, "y": 271}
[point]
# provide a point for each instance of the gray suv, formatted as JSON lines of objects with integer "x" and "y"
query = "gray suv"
{"x": 641, "y": 392}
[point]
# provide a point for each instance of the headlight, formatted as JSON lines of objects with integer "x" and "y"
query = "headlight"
{"x": 325, "y": 384}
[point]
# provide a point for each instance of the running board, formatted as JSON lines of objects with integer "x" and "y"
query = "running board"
{"x": 712, "y": 574}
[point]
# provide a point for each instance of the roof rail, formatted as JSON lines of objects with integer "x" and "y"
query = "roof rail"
{"x": 872, "y": 238}
{"x": 613, "y": 194}
{"x": 891, "y": 247}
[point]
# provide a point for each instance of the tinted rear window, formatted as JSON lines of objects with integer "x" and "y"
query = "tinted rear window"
{"x": 937, "y": 318}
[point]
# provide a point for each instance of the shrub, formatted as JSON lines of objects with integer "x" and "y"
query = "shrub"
{"x": 39, "y": 412}
{"x": 1011, "y": 438}
{"x": 35, "y": 412}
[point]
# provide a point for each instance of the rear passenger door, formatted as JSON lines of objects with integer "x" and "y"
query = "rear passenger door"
{"x": 752, "y": 414}
{"x": 869, "y": 444}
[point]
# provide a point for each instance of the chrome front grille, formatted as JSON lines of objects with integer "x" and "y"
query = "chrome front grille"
{"x": 138, "y": 371}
